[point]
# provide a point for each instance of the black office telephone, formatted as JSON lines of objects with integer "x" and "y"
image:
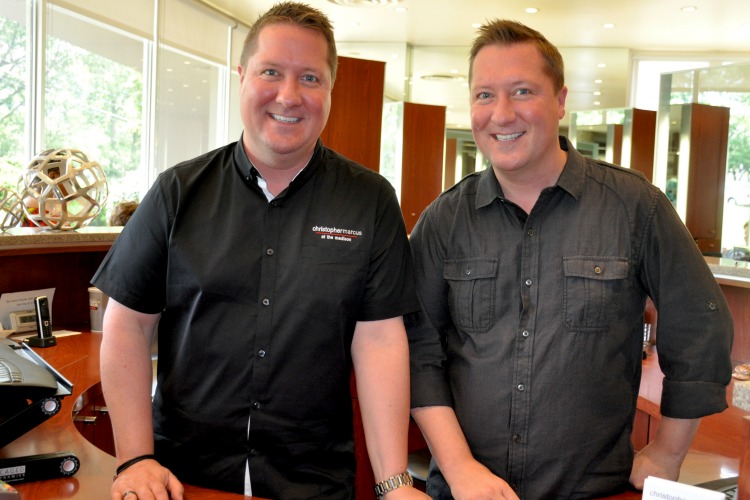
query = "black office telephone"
{"x": 30, "y": 390}
{"x": 20, "y": 376}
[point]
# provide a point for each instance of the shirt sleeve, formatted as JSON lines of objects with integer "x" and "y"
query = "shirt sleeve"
{"x": 694, "y": 325}
{"x": 427, "y": 328}
{"x": 390, "y": 288}
{"x": 134, "y": 270}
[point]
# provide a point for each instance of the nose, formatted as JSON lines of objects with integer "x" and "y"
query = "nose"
{"x": 289, "y": 94}
{"x": 502, "y": 111}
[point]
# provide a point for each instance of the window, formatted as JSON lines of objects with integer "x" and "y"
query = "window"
{"x": 107, "y": 90}
{"x": 94, "y": 83}
{"x": 14, "y": 90}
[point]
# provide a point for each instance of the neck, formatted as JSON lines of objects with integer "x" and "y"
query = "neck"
{"x": 279, "y": 171}
{"x": 524, "y": 187}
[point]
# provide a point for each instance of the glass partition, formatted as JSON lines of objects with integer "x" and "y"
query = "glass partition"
{"x": 725, "y": 86}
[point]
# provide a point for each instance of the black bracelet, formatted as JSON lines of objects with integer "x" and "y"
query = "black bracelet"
{"x": 133, "y": 461}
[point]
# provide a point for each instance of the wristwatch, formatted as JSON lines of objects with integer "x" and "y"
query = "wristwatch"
{"x": 393, "y": 482}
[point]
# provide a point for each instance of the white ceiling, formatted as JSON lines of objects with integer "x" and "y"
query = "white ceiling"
{"x": 433, "y": 38}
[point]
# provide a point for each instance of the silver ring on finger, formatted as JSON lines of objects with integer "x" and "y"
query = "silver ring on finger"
{"x": 129, "y": 492}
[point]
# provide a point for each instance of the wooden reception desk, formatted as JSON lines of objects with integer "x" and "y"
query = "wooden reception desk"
{"x": 76, "y": 357}
{"x": 66, "y": 261}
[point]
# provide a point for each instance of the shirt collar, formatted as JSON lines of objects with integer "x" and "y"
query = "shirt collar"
{"x": 571, "y": 179}
{"x": 250, "y": 174}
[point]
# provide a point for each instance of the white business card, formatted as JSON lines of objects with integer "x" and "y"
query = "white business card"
{"x": 655, "y": 488}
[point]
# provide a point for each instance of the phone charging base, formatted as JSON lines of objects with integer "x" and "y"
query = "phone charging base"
{"x": 41, "y": 341}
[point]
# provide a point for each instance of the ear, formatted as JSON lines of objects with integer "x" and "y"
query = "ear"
{"x": 561, "y": 96}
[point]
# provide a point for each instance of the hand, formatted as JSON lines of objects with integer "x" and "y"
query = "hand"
{"x": 146, "y": 480}
{"x": 477, "y": 482}
{"x": 653, "y": 461}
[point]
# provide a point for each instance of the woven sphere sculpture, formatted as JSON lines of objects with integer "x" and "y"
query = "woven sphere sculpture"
{"x": 11, "y": 209}
{"x": 62, "y": 189}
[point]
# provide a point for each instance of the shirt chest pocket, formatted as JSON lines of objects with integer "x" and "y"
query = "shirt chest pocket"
{"x": 591, "y": 289}
{"x": 471, "y": 295}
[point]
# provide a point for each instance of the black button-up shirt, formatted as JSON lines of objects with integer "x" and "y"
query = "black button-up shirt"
{"x": 533, "y": 324}
{"x": 258, "y": 304}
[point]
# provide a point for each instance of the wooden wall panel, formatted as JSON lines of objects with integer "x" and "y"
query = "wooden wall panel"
{"x": 709, "y": 132}
{"x": 643, "y": 141}
{"x": 422, "y": 160}
{"x": 67, "y": 271}
{"x": 354, "y": 125}
{"x": 451, "y": 150}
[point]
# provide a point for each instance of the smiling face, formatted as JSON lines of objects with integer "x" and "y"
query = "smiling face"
{"x": 516, "y": 111}
{"x": 285, "y": 95}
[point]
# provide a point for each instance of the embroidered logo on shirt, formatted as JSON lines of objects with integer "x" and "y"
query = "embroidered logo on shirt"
{"x": 335, "y": 233}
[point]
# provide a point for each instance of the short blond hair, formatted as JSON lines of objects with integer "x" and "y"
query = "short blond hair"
{"x": 505, "y": 33}
{"x": 297, "y": 14}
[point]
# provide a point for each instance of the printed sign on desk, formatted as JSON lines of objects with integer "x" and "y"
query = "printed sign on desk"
{"x": 655, "y": 488}
{"x": 21, "y": 301}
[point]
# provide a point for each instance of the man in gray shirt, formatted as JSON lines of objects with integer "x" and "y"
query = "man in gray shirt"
{"x": 533, "y": 277}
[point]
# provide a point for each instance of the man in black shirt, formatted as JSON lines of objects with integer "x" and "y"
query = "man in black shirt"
{"x": 533, "y": 276}
{"x": 272, "y": 266}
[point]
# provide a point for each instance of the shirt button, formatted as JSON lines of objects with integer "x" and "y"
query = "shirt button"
{"x": 516, "y": 438}
{"x": 256, "y": 405}
{"x": 712, "y": 306}
{"x": 266, "y": 302}
{"x": 521, "y": 387}
{"x": 528, "y": 282}
{"x": 598, "y": 270}
{"x": 262, "y": 353}
{"x": 253, "y": 451}
{"x": 525, "y": 333}
{"x": 269, "y": 251}
{"x": 468, "y": 271}
{"x": 530, "y": 232}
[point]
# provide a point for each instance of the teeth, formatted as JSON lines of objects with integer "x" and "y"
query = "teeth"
{"x": 285, "y": 119}
{"x": 508, "y": 137}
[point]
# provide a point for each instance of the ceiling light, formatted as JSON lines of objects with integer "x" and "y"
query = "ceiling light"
{"x": 689, "y": 8}
{"x": 597, "y": 81}
{"x": 597, "y": 103}
{"x": 476, "y": 25}
{"x": 601, "y": 65}
{"x": 597, "y": 93}
{"x": 608, "y": 26}
{"x": 438, "y": 77}
{"x": 531, "y": 10}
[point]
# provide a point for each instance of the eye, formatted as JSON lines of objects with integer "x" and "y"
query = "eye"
{"x": 310, "y": 78}
{"x": 523, "y": 92}
{"x": 483, "y": 95}
{"x": 270, "y": 72}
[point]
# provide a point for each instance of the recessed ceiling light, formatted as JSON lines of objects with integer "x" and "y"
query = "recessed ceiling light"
{"x": 597, "y": 93}
{"x": 401, "y": 9}
{"x": 531, "y": 10}
{"x": 608, "y": 26}
{"x": 601, "y": 65}
{"x": 597, "y": 81}
{"x": 597, "y": 103}
{"x": 443, "y": 78}
{"x": 689, "y": 8}
{"x": 476, "y": 25}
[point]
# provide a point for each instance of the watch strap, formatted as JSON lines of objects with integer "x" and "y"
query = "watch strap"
{"x": 392, "y": 483}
